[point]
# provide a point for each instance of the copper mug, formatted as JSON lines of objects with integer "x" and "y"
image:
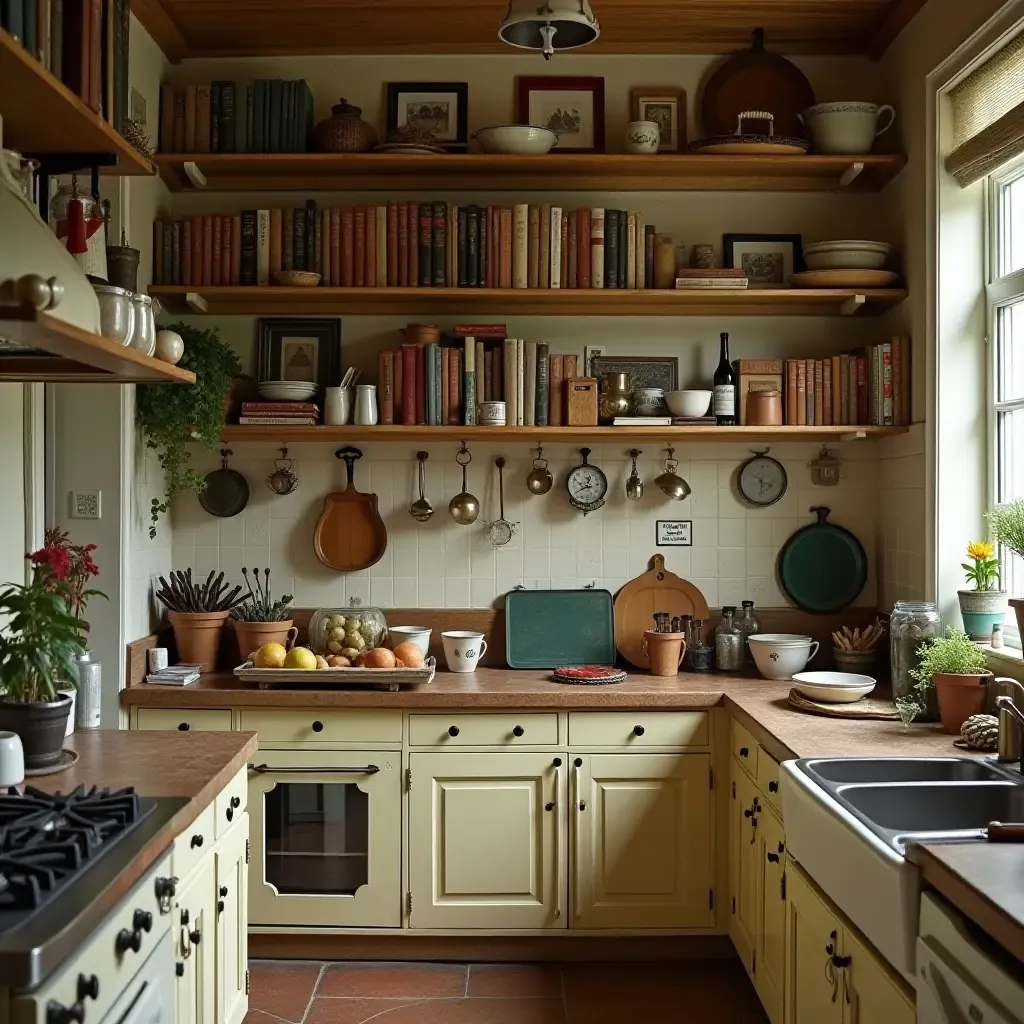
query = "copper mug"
{"x": 764, "y": 409}
{"x": 664, "y": 651}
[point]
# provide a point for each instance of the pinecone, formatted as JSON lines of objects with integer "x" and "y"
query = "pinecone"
{"x": 980, "y": 732}
{"x": 135, "y": 135}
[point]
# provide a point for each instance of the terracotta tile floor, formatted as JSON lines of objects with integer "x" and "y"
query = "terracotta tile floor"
{"x": 694, "y": 991}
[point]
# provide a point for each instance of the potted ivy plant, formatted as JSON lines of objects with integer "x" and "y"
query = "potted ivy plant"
{"x": 985, "y": 605}
{"x": 171, "y": 416}
{"x": 1007, "y": 527}
{"x": 957, "y": 669}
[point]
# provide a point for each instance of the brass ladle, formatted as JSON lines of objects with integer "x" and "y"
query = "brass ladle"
{"x": 421, "y": 509}
{"x": 464, "y": 507}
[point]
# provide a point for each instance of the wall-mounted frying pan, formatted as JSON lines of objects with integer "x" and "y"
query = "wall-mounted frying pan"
{"x": 227, "y": 491}
{"x": 822, "y": 567}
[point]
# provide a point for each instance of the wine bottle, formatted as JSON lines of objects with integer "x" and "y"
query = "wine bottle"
{"x": 725, "y": 387}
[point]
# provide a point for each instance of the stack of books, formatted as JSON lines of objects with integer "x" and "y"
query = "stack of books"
{"x": 175, "y": 675}
{"x": 280, "y": 414}
{"x": 711, "y": 278}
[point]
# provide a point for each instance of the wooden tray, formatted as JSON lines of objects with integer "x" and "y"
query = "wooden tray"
{"x": 323, "y": 678}
{"x": 655, "y": 591}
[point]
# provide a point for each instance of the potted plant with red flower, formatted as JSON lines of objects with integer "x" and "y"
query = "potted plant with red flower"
{"x": 40, "y": 645}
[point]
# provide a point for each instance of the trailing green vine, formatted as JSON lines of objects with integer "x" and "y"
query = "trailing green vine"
{"x": 173, "y": 415}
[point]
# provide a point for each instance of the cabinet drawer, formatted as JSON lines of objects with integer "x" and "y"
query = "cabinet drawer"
{"x": 483, "y": 730}
{"x": 194, "y": 843}
{"x": 768, "y": 778}
{"x": 744, "y": 748}
{"x": 312, "y": 727}
{"x": 185, "y": 720}
{"x": 231, "y": 802}
{"x": 639, "y": 729}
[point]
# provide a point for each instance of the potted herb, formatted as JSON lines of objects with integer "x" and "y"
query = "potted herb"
{"x": 259, "y": 619}
{"x": 985, "y": 605}
{"x": 956, "y": 667}
{"x": 1007, "y": 527}
{"x": 173, "y": 415}
{"x": 39, "y": 647}
{"x": 197, "y": 613}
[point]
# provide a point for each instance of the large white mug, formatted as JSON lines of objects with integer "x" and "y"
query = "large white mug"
{"x": 846, "y": 127}
{"x": 12, "y": 760}
{"x": 463, "y": 649}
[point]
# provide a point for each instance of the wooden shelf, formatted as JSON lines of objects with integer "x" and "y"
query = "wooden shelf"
{"x": 272, "y": 300}
{"x": 611, "y": 172}
{"x": 42, "y": 115}
{"x": 74, "y": 355}
{"x": 552, "y": 435}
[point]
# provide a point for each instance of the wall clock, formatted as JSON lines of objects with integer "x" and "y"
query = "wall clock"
{"x": 587, "y": 485}
{"x": 762, "y": 481}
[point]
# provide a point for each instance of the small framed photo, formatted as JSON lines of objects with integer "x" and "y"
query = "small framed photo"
{"x": 768, "y": 260}
{"x": 307, "y": 349}
{"x": 644, "y": 371}
{"x": 439, "y": 107}
{"x": 572, "y": 107}
{"x": 673, "y": 533}
{"x": 667, "y": 108}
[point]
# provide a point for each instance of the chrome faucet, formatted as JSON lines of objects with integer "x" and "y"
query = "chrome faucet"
{"x": 1011, "y": 725}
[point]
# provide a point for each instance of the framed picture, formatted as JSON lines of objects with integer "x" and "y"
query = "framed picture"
{"x": 768, "y": 260}
{"x": 439, "y": 107}
{"x": 299, "y": 349}
{"x": 572, "y": 107}
{"x": 646, "y": 371}
{"x": 667, "y": 108}
{"x": 673, "y": 533}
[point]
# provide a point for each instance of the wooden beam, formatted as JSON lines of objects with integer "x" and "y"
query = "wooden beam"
{"x": 898, "y": 18}
{"x": 156, "y": 20}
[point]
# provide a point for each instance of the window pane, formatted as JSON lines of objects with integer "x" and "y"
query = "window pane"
{"x": 1013, "y": 248}
{"x": 1010, "y": 351}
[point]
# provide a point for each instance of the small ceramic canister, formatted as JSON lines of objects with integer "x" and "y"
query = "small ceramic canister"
{"x": 337, "y": 406}
{"x": 490, "y": 414}
{"x": 649, "y": 401}
{"x": 463, "y": 649}
{"x": 157, "y": 657}
{"x": 642, "y": 137}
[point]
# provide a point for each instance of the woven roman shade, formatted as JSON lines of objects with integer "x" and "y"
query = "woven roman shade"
{"x": 988, "y": 115}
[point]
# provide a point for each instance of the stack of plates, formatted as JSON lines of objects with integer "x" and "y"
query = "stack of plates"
{"x": 288, "y": 390}
{"x": 847, "y": 254}
{"x": 833, "y": 687}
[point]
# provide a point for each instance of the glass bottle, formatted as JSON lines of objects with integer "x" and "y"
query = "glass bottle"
{"x": 702, "y": 654}
{"x": 749, "y": 626}
{"x": 725, "y": 387}
{"x": 686, "y": 629}
{"x": 910, "y": 625}
{"x": 728, "y": 642}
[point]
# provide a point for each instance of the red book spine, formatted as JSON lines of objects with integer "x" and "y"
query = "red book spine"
{"x": 225, "y": 250}
{"x": 186, "y": 252}
{"x": 583, "y": 248}
{"x": 217, "y": 245}
{"x": 392, "y": 229}
{"x": 445, "y": 385}
{"x": 386, "y": 387}
{"x": 563, "y": 266}
{"x": 570, "y": 280}
{"x": 236, "y": 249}
{"x": 207, "y": 249}
{"x": 791, "y": 392}
{"x": 421, "y": 384}
{"x": 426, "y": 251}
{"x": 397, "y": 387}
{"x": 196, "y": 245}
{"x": 441, "y": 246}
{"x": 410, "y": 357}
{"x": 403, "y": 245}
{"x": 454, "y": 388}
{"x": 370, "y": 272}
{"x": 359, "y": 261}
{"x": 335, "y": 268}
{"x": 414, "y": 249}
{"x": 347, "y": 247}
{"x": 862, "y": 391}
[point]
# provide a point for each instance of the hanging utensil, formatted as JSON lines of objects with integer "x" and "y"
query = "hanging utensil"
{"x": 227, "y": 491}
{"x": 283, "y": 480}
{"x": 501, "y": 530}
{"x": 421, "y": 509}
{"x": 670, "y": 482}
{"x": 539, "y": 480}
{"x": 464, "y": 507}
{"x": 350, "y": 534}
{"x": 634, "y": 485}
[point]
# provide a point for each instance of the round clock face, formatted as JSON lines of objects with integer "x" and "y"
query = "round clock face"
{"x": 762, "y": 480}
{"x": 587, "y": 484}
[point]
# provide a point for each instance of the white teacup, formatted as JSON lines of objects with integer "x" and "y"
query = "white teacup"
{"x": 419, "y": 635}
{"x": 463, "y": 649}
{"x": 642, "y": 137}
{"x": 846, "y": 127}
{"x": 781, "y": 655}
{"x": 12, "y": 760}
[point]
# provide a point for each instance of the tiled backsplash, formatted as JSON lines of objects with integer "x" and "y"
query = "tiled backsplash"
{"x": 440, "y": 564}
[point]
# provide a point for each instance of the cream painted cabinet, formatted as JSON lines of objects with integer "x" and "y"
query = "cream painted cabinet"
{"x": 770, "y": 939}
{"x": 745, "y": 816}
{"x": 812, "y": 943}
{"x": 642, "y": 846}
{"x": 194, "y": 921}
{"x": 232, "y": 901}
{"x": 871, "y": 993}
{"x": 487, "y": 840}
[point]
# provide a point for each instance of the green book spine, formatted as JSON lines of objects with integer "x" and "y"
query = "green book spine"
{"x": 259, "y": 107}
{"x": 276, "y": 97}
{"x": 299, "y": 251}
{"x": 241, "y": 146}
{"x": 435, "y": 355}
{"x": 308, "y": 119}
{"x": 249, "y": 119}
{"x": 215, "y": 117}
{"x": 287, "y": 116}
{"x": 469, "y": 398}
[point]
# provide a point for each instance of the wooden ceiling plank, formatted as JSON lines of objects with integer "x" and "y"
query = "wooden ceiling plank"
{"x": 159, "y": 23}
{"x": 898, "y": 18}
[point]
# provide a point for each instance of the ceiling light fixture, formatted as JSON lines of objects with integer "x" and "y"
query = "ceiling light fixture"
{"x": 549, "y": 25}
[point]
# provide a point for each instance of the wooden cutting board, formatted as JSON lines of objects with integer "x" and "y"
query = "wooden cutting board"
{"x": 657, "y": 590}
{"x": 350, "y": 534}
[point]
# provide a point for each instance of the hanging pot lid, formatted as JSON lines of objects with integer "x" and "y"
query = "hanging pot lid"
{"x": 227, "y": 491}
{"x": 822, "y": 567}
{"x": 741, "y": 141}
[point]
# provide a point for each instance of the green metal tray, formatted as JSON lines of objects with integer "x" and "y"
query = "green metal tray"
{"x": 554, "y": 628}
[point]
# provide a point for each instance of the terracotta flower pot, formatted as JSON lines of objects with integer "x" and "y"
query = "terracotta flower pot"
{"x": 41, "y": 727}
{"x": 197, "y": 637}
{"x": 253, "y": 635}
{"x": 960, "y": 696}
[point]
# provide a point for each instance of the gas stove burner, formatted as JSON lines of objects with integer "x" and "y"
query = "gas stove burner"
{"x": 47, "y": 838}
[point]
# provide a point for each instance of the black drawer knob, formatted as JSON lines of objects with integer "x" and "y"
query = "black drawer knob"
{"x": 194, "y": 937}
{"x": 88, "y": 987}
{"x": 773, "y": 787}
{"x": 223, "y": 890}
{"x": 220, "y": 906}
{"x": 197, "y": 840}
{"x": 183, "y": 727}
{"x": 142, "y": 921}
{"x": 518, "y": 730}
{"x": 744, "y": 752}
{"x": 229, "y": 813}
{"x": 179, "y": 969}
{"x": 773, "y": 858}
{"x": 577, "y": 762}
{"x": 557, "y": 762}
{"x": 453, "y": 730}
{"x": 128, "y": 940}
{"x": 318, "y": 727}
{"x": 638, "y": 730}
{"x": 549, "y": 807}
{"x": 236, "y": 801}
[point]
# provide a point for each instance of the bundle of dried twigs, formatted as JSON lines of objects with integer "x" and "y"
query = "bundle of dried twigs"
{"x": 858, "y": 639}
{"x": 181, "y": 594}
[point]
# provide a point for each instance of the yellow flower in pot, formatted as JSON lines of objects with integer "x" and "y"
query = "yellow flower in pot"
{"x": 985, "y": 605}
{"x": 957, "y": 668}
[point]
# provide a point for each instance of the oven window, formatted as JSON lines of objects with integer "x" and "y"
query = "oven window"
{"x": 317, "y": 838}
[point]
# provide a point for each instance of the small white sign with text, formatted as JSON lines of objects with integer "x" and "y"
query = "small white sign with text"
{"x": 674, "y": 533}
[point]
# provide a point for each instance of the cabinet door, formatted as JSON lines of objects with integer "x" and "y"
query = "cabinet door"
{"x": 812, "y": 980}
{"x": 232, "y": 952}
{"x": 770, "y": 962}
{"x": 642, "y": 841}
{"x": 194, "y": 947}
{"x": 743, "y": 863}
{"x": 870, "y": 992}
{"x": 486, "y": 840}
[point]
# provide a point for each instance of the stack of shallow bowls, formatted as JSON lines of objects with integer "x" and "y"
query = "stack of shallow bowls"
{"x": 781, "y": 655}
{"x": 847, "y": 254}
{"x": 288, "y": 390}
{"x": 833, "y": 687}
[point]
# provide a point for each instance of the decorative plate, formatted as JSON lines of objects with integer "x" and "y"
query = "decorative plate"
{"x": 588, "y": 675}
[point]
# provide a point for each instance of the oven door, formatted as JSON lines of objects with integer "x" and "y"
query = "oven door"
{"x": 326, "y": 830}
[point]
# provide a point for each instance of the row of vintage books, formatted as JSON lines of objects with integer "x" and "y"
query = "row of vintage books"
{"x": 401, "y": 245}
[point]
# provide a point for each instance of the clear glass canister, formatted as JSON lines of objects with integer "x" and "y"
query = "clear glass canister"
{"x": 910, "y": 625}
{"x": 749, "y": 625}
{"x": 728, "y": 642}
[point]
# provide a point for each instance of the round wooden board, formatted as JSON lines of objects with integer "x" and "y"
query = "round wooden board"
{"x": 657, "y": 590}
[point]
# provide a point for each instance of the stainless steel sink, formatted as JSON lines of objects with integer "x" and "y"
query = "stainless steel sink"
{"x": 938, "y": 807}
{"x": 902, "y": 769}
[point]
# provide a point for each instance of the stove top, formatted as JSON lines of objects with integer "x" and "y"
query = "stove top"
{"x": 59, "y": 854}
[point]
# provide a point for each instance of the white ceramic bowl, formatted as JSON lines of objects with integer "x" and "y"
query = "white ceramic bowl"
{"x": 419, "y": 635}
{"x": 845, "y": 259}
{"x": 287, "y": 390}
{"x": 688, "y": 403}
{"x": 781, "y": 655}
{"x": 520, "y": 139}
{"x": 833, "y": 687}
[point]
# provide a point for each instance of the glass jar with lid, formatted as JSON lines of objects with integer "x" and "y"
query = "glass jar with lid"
{"x": 910, "y": 625}
{"x": 749, "y": 625}
{"x": 728, "y": 642}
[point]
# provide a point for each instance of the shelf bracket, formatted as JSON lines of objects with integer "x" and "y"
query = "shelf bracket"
{"x": 852, "y": 305}
{"x": 196, "y": 302}
{"x": 853, "y": 435}
{"x": 198, "y": 179}
{"x": 851, "y": 173}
